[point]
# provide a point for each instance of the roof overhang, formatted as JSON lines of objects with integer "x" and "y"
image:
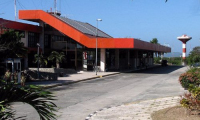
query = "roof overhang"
{"x": 90, "y": 42}
{"x": 19, "y": 26}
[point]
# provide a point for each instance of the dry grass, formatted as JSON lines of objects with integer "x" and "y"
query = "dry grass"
{"x": 175, "y": 113}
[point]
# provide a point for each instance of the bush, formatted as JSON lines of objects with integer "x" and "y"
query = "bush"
{"x": 192, "y": 76}
{"x": 186, "y": 79}
{"x": 191, "y": 100}
{"x": 157, "y": 60}
{"x": 191, "y": 80}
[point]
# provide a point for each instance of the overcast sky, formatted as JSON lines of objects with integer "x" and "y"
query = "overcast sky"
{"x": 143, "y": 19}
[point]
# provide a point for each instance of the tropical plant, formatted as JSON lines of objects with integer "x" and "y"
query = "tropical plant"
{"x": 191, "y": 100}
{"x": 58, "y": 57}
{"x": 194, "y": 56}
{"x": 186, "y": 79}
{"x": 11, "y": 45}
{"x": 41, "y": 59}
{"x": 157, "y": 60}
{"x": 35, "y": 96}
{"x": 154, "y": 41}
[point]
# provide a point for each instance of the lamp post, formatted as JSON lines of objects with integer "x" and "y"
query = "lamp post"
{"x": 38, "y": 45}
{"x": 96, "y": 44}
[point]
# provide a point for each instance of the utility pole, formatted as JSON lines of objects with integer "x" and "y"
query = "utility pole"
{"x": 55, "y": 9}
{"x": 15, "y": 7}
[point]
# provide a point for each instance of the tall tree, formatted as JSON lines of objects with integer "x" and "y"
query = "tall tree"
{"x": 154, "y": 41}
{"x": 11, "y": 45}
{"x": 58, "y": 57}
{"x": 194, "y": 56}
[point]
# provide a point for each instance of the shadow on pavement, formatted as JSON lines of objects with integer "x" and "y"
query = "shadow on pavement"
{"x": 158, "y": 70}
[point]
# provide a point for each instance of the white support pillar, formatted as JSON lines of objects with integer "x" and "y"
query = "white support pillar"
{"x": 116, "y": 58}
{"x": 161, "y": 55}
{"x": 103, "y": 60}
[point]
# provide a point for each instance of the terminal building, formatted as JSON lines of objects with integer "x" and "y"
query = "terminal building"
{"x": 79, "y": 40}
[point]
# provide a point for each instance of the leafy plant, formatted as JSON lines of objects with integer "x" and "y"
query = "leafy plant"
{"x": 58, "y": 57}
{"x": 157, "y": 60}
{"x": 188, "y": 78}
{"x": 35, "y": 96}
{"x": 194, "y": 56}
{"x": 42, "y": 60}
{"x": 11, "y": 45}
{"x": 191, "y": 100}
{"x": 154, "y": 41}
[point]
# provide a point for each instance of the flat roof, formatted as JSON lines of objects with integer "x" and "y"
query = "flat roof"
{"x": 19, "y": 26}
{"x": 88, "y": 41}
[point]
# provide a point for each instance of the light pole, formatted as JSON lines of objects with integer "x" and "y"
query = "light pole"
{"x": 38, "y": 45}
{"x": 96, "y": 44}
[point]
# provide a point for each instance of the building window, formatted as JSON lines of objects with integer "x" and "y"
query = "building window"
{"x": 33, "y": 39}
{"x": 58, "y": 38}
{"x": 47, "y": 41}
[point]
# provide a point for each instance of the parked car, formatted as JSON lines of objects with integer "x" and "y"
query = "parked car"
{"x": 197, "y": 65}
{"x": 164, "y": 62}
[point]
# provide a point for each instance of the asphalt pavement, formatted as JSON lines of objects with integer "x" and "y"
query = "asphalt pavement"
{"x": 142, "y": 101}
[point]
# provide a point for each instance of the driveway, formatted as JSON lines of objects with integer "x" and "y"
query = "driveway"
{"x": 77, "y": 101}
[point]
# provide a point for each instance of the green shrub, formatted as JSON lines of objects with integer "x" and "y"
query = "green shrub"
{"x": 192, "y": 76}
{"x": 186, "y": 79}
{"x": 157, "y": 60}
{"x": 191, "y": 80}
{"x": 191, "y": 100}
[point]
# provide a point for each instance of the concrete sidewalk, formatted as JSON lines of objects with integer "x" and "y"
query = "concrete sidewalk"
{"x": 80, "y": 76}
{"x": 73, "y": 78}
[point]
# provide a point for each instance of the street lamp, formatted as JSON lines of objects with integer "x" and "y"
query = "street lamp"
{"x": 96, "y": 43}
{"x": 38, "y": 45}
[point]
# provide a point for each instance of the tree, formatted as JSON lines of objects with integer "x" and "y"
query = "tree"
{"x": 154, "y": 41}
{"x": 194, "y": 56}
{"x": 11, "y": 45}
{"x": 39, "y": 99}
{"x": 58, "y": 57}
{"x": 41, "y": 58}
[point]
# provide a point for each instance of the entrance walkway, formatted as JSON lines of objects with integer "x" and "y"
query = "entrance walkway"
{"x": 72, "y": 78}
{"x": 77, "y": 77}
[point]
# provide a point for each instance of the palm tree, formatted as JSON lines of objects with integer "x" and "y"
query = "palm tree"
{"x": 58, "y": 57}
{"x": 39, "y": 99}
{"x": 41, "y": 58}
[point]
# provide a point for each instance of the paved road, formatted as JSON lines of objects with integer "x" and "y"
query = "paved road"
{"x": 77, "y": 101}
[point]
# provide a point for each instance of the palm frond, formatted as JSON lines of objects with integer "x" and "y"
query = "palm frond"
{"x": 35, "y": 96}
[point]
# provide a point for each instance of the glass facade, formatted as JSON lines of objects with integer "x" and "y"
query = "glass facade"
{"x": 47, "y": 41}
{"x": 33, "y": 39}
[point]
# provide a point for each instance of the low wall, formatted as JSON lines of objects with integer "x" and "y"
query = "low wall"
{"x": 48, "y": 73}
{"x": 55, "y": 70}
{"x": 32, "y": 74}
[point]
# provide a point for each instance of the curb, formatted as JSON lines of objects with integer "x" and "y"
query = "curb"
{"x": 60, "y": 84}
